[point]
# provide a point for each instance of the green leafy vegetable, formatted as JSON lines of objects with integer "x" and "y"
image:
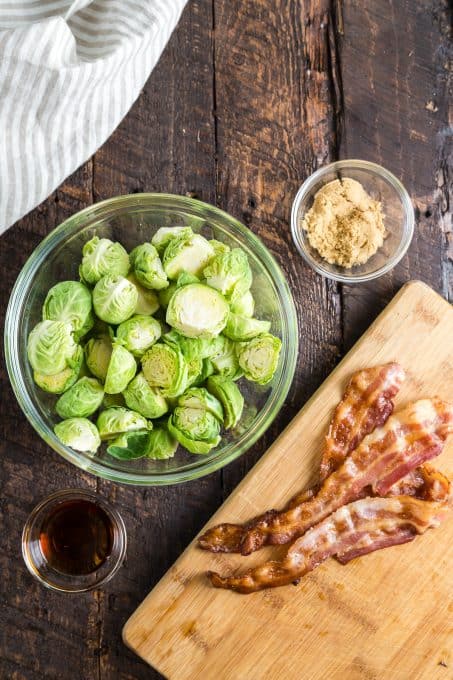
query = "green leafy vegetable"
{"x": 130, "y": 445}
{"x": 164, "y": 235}
{"x": 197, "y": 310}
{"x": 114, "y": 299}
{"x": 229, "y": 395}
{"x": 116, "y": 420}
{"x": 164, "y": 366}
{"x": 70, "y": 301}
{"x": 138, "y": 333}
{"x": 196, "y": 429}
{"x": 148, "y": 268}
{"x": 140, "y": 397}
{"x": 51, "y": 347}
{"x": 120, "y": 371}
{"x": 60, "y": 382}
{"x": 243, "y": 328}
{"x": 80, "y": 400}
{"x": 78, "y": 433}
{"x": 199, "y": 397}
{"x": 229, "y": 273}
{"x": 258, "y": 358}
{"x": 102, "y": 257}
{"x": 98, "y": 352}
{"x": 147, "y": 300}
{"x": 188, "y": 254}
{"x": 161, "y": 444}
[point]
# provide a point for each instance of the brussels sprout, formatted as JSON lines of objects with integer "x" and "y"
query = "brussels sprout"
{"x": 193, "y": 350}
{"x": 258, "y": 358}
{"x": 225, "y": 361}
{"x": 244, "y": 306}
{"x": 196, "y": 429}
{"x": 161, "y": 444}
{"x": 229, "y": 273}
{"x": 219, "y": 247}
{"x": 98, "y": 352}
{"x": 187, "y": 254}
{"x": 81, "y": 400}
{"x": 130, "y": 445}
{"x": 199, "y": 397}
{"x": 114, "y": 299}
{"x": 146, "y": 400}
{"x": 164, "y": 235}
{"x": 51, "y": 347}
{"x": 116, "y": 420}
{"x": 147, "y": 300}
{"x": 148, "y": 268}
{"x": 207, "y": 369}
{"x": 78, "y": 433}
{"x": 70, "y": 301}
{"x": 197, "y": 310}
{"x": 242, "y": 328}
{"x": 120, "y": 371}
{"x": 229, "y": 395}
{"x": 58, "y": 383}
{"x": 164, "y": 366}
{"x": 166, "y": 294}
{"x": 138, "y": 333}
{"x": 102, "y": 257}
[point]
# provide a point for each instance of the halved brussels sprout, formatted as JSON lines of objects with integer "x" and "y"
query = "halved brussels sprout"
{"x": 225, "y": 361}
{"x": 147, "y": 300}
{"x": 196, "y": 429}
{"x": 78, "y": 433}
{"x": 161, "y": 444}
{"x": 258, "y": 358}
{"x": 60, "y": 382}
{"x": 70, "y": 301}
{"x": 188, "y": 254}
{"x": 164, "y": 366}
{"x": 81, "y": 400}
{"x": 244, "y": 306}
{"x": 138, "y": 333}
{"x": 51, "y": 347}
{"x": 193, "y": 350}
{"x": 194, "y": 347}
{"x": 243, "y": 328}
{"x": 199, "y": 397}
{"x": 146, "y": 400}
{"x": 121, "y": 370}
{"x": 114, "y": 299}
{"x": 164, "y": 235}
{"x": 98, "y": 352}
{"x": 116, "y": 420}
{"x": 102, "y": 257}
{"x": 130, "y": 445}
{"x": 197, "y": 310}
{"x": 229, "y": 273}
{"x": 147, "y": 267}
{"x": 219, "y": 247}
{"x": 229, "y": 395}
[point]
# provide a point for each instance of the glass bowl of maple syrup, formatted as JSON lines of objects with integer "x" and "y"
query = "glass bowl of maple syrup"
{"x": 74, "y": 541}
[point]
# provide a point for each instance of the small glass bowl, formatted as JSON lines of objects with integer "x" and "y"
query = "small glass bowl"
{"x": 54, "y": 579}
{"x": 398, "y": 219}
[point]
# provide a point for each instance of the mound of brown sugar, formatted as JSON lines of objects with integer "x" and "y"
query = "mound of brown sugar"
{"x": 345, "y": 225}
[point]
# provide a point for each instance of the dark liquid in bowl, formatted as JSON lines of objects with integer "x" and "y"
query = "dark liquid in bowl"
{"x": 76, "y": 537}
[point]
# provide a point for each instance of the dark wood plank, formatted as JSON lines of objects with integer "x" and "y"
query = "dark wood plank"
{"x": 165, "y": 144}
{"x": 276, "y": 123}
{"x": 395, "y": 72}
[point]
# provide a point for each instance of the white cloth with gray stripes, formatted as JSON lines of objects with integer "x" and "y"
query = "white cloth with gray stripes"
{"x": 69, "y": 72}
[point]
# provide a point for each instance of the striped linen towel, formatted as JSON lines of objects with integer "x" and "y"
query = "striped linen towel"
{"x": 69, "y": 72}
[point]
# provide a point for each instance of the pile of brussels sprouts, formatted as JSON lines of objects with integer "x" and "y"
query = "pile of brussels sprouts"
{"x": 153, "y": 382}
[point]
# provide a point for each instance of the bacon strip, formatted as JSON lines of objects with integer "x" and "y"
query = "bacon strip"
{"x": 408, "y": 438}
{"x": 366, "y": 404}
{"x": 367, "y": 522}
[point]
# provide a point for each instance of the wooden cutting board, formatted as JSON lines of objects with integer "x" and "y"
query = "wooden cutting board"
{"x": 385, "y": 616}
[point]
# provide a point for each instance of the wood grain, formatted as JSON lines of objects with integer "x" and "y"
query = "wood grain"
{"x": 385, "y": 615}
{"x": 247, "y": 100}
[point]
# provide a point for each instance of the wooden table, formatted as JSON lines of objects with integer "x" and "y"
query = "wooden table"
{"x": 248, "y": 99}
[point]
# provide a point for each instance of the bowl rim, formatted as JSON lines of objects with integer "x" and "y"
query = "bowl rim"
{"x": 290, "y": 338}
{"x": 374, "y": 168}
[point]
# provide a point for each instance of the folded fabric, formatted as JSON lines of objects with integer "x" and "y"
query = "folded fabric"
{"x": 69, "y": 72}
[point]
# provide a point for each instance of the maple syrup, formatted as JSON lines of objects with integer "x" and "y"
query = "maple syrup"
{"x": 76, "y": 537}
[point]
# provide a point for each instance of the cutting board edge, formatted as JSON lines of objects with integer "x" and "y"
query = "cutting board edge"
{"x": 404, "y": 290}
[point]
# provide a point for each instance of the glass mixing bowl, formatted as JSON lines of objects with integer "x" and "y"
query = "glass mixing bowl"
{"x": 133, "y": 220}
